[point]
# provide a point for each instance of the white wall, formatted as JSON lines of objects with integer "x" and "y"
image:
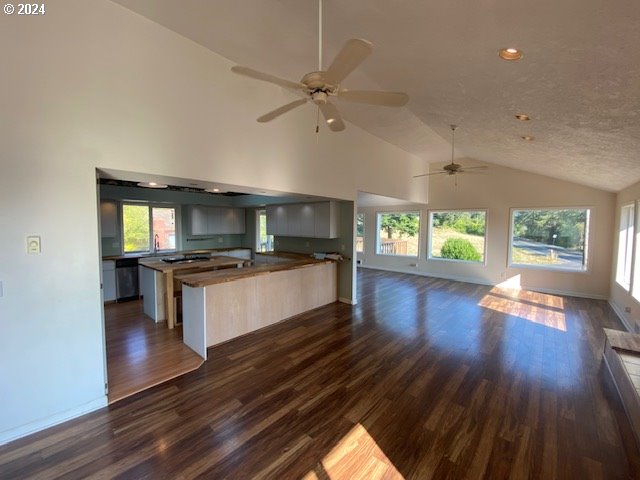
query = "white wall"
{"x": 498, "y": 191}
{"x": 92, "y": 85}
{"x": 620, "y": 298}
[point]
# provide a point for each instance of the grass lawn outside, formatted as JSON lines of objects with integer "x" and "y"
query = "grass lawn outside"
{"x": 521, "y": 256}
{"x": 440, "y": 234}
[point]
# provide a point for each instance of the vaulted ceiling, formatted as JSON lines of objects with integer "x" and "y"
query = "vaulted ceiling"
{"x": 579, "y": 79}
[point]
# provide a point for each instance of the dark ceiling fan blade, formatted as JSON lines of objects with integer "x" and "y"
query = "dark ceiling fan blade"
{"x": 332, "y": 116}
{"x": 372, "y": 97}
{"x": 267, "y": 117}
{"x": 429, "y": 174}
{"x": 352, "y": 54}
{"x": 265, "y": 77}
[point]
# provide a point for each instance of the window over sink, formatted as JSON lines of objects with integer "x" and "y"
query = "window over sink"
{"x": 148, "y": 228}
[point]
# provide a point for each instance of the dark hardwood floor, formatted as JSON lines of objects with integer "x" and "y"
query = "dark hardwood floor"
{"x": 140, "y": 352}
{"x": 424, "y": 378}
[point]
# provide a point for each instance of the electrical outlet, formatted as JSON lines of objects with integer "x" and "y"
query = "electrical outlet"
{"x": 1, "y": 290}
{"x": 220, "y": 240}
{"x": 306, "y": 244}
{"x": 342, "y": 247}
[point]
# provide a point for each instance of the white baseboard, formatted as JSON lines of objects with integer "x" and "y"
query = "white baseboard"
{"x": 621, "y": 316}
{"x": 348, "y": 301}
{"x": 24, "y": 430}
{"x": 482, "y": 281}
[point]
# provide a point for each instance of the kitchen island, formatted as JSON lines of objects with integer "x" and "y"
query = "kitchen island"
{"x": 157, "y": 280}
{"x": 221, "y": 305}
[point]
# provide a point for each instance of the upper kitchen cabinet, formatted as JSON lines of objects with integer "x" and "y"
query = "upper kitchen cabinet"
{"x": 205, "y": 220}
{"x": 108, "y": 218}
{"x": 316, "y": 220}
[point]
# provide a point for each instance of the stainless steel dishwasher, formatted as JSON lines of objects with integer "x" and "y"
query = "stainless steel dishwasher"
{"x": 127, "y": 279}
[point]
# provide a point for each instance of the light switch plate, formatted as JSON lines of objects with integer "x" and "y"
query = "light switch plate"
{"x": 33, "y": 244}
{"x": 1, "y": 290}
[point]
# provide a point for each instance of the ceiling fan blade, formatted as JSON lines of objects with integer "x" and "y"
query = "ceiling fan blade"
{"x": 352, "y": 54}
{"x": 387, "y": 99}
{"x": 267, "y": 117}
{"x": 332, "y": 116}
{"x": 265, "y": 77}
{"x": 474, "y": 172}
{"x": 429, "y": 174}
{"x": 483, "y": 167}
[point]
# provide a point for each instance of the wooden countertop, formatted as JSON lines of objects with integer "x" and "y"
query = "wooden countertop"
{"x": 202, "y": 279}
{"x": 215, "y": 262}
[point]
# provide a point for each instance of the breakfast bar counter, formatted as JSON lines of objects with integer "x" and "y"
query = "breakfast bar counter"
{"x": 157, "y": 280}
{"x": 220, "y": 305}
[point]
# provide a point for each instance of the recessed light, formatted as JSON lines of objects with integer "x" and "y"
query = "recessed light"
{"x": 212, "y": 190}
{"x": 151, "y": 185}
{"x": 523, "y": 117}
{"x": 527, "y": 138}
{"x": 510, "y": 54}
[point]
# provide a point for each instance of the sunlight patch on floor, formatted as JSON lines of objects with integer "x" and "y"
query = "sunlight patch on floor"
{"x": 536, "y": 307}
{"x": 356, "y": 456}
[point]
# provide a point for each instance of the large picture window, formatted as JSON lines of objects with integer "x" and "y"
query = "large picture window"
{"x": 625, "y": 246}
{"x": 458, "y": 235}
{"x": 148, "y": 229}
{"x": 553, "y": 238}
{"x": 360, "y": 233}
{"x": 398, "y": 233}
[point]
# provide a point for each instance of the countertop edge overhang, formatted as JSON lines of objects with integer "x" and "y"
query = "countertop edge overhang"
{"x": 203, "y": 279}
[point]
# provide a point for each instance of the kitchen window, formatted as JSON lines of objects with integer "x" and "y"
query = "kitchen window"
{"x": 360, "y": 233}
{"x": 264, "y": 242}
{"x": 458, "y": 235}
{"x": 550, "y": 238}
{"x": 148, "y": 228}
{"x": 398, "y": 233}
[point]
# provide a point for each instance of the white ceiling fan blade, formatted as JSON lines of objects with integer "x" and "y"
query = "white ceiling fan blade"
{"x": 372, "y": 97}
{"x": 267, "y": 117}
{"x": 332, "y": 116}
{"x": 352, "y": 54}
{"x": 483, "y": 167}
{"x": 265, "y": 77}
{"x": 429, "y": 174}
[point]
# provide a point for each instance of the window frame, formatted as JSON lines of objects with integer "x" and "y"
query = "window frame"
{"x": 364, "y": 226}
{"x": 401, "y": 212}
{"x": 482, "y": 262}
{"x": 634, "y": 289}
{"x": 150, "y": 206}
{"x": 587, "y": 241}
{"x": 630, "y": 247}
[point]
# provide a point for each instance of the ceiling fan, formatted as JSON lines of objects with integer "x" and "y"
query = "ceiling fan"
{"x": 319, "y": 86}
{"x": 453, "y": 168}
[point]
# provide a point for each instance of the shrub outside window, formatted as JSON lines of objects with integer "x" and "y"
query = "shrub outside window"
{"x": 550, "y": 238}
{"x": 398, "y": 234}
{"x": 458, "y": 235}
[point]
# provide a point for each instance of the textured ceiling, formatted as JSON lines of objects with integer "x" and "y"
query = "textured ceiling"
{"x": 579, "y": 79}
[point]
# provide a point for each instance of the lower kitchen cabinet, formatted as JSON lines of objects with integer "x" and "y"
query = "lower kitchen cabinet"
{"x": 109, "y": 280}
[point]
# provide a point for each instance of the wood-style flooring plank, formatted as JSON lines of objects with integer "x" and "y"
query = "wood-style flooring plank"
{"x": 423, "y": 378}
